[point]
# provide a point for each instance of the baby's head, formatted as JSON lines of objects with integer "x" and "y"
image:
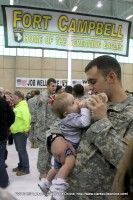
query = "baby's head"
{"x": 64, "y": 104}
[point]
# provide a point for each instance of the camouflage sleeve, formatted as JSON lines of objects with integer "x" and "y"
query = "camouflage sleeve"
{"x": 41, "y": 105}
{"x": 55, "y": 129}
{"x": 104, "y": 136}
{"x": 33, "y": 108}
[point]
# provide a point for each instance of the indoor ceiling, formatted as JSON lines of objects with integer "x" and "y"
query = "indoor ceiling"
{"x": 114, "y": 8}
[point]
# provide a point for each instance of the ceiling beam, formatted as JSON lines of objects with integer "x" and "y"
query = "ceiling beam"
{"x": 78, "y": 3}
{"x": 49, "y": 5}
{"x": 128, "y": 10}
{"x": 65, "y": 6}
{"x": 95, "y": 7}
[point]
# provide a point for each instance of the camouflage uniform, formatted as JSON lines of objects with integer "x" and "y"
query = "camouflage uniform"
{"x": 32, "y": 103}
{"x": 45, "y": 118}
{"x": 99, "y": 152}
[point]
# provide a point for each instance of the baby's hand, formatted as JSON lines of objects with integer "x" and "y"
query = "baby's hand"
{"x": 89, "y": 101}
{"x": 82, "y": 104}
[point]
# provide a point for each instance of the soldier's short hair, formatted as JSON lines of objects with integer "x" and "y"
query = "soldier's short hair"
{"x": 105, "y": 64}
{"x": 51, "y": 80}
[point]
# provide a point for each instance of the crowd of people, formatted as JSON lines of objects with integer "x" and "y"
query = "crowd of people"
{"x": 82, "y": 133}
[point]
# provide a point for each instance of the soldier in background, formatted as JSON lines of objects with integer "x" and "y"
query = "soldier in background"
{"x": 45, "y": 118}
{"x": 32, "y": 103}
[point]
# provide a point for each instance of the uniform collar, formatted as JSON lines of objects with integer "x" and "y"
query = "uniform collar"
{"x": 119, "y": 106}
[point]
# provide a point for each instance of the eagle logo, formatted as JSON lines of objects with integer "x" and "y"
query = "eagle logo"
{"x": 18, "y": 34}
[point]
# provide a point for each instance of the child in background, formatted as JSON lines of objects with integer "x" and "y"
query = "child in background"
{"x": 74, "y": 116}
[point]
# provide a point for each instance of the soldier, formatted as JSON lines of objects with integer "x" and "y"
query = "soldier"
{"x": 32, "y": 103}
{"x": 102, "y": 146}
{"x": 45, "y": 118}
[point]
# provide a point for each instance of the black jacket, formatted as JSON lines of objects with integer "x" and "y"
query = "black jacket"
{"x": 7, "y": 118}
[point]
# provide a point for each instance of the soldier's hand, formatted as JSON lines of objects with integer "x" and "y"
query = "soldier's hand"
{"x": 98, "y": 108}
{"x": 59, "y": 147}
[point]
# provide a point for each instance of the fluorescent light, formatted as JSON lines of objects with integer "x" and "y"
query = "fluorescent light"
{"x": 130, "y": 16}
{"x": 60, "y": 0}
{"x": 99, "y": 4}
{"x": 11, "y": 2}
{"x": 74, "y": 8}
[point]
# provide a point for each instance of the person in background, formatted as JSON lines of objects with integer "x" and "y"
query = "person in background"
{"x": 32, "y": 93}
{"x": 102, "y": 145}
{"x": 68, "y": 89}
{"x": 87, "y": 91}
{"x": 28, "y": 96}
{"x": 8, "y": 98}
{"x": 32, "y": 103}
{"x": 78, "y": 91}
{"x": 7, "y": 118}
{"x": 20, "y": 129}
{"x": 59, "y": 89}
{"x": 45, "y": 118}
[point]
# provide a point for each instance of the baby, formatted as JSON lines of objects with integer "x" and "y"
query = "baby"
{"x": 74, "y": 116}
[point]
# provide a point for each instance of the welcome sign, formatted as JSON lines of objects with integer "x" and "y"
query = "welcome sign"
{"x": 68, "y": 31}
{"x": 23, "y": 82}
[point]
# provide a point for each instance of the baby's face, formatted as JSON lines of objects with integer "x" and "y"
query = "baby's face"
{"x": 72, "y": 104}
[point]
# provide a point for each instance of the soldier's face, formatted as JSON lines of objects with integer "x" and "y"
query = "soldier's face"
{"x": 51, "y": 88}
{"x": 97, "y": 82}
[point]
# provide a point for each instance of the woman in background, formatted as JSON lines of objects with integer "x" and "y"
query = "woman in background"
{"x": 20, "y": 130}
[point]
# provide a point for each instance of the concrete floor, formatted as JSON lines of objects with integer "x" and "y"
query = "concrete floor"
{"x": 24, "y": 187}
